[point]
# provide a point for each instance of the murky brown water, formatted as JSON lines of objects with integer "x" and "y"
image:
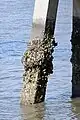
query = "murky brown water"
{"x": 15, "y": 25}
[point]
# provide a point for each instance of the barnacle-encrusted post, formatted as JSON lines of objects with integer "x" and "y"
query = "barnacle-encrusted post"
{"x": 37, "y": 60}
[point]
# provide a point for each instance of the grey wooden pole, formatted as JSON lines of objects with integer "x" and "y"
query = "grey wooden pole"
{"x": 76, "y": 50}
{"x": 37, "y": 60}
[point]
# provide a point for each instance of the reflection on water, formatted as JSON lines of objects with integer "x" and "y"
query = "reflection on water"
{"x": 76, "y": 108}
{"x": 33, "y": 112}
{"x": 43, "y": 112}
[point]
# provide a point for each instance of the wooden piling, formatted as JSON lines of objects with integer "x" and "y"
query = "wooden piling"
{"x": 76, "y": 49}
{"x": 37, "y": 60}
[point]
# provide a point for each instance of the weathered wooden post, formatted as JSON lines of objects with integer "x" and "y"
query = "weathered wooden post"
{"x": 76, "y": 50}
{"x": 37, "y": 60}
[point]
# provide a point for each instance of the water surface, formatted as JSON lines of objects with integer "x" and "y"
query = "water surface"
{"x": 15, "y": 27}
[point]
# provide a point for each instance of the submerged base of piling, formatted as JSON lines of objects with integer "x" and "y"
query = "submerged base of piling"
{"x": 37, "y": 62}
